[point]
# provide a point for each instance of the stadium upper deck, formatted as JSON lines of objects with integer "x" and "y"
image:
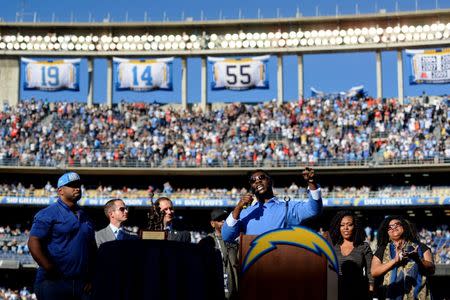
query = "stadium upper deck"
{"x": 372, "y": 32}
{"x": 196, "y": 38}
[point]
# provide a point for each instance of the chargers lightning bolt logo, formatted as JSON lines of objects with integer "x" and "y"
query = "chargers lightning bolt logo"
{"x": 295, "y": 236}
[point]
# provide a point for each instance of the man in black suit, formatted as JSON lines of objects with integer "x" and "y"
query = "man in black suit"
{"x": 228, "y": 253}
{"x": 117, "y": 213}
{"x": 165, "y": 205}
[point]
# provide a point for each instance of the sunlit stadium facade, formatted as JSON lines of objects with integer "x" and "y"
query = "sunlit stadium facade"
{"x": 304, "y": 35}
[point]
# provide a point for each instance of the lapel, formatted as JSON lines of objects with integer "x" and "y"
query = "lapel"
{"x": 109, "y": 234}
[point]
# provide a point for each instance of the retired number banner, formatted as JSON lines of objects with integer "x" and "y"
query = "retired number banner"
{"x": 429, "y": 66}
{"x": 143, "y": 74}
{"x": 51, "y": 74}
{"x": 239, "y": 73}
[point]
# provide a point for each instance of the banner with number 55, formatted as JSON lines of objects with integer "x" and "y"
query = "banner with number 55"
{"x": 239, "y": 73}
{"x": 51, "y": 74}
{"x": 143, "y": 75}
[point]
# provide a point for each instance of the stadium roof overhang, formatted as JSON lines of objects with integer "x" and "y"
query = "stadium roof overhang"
{"x": 203, "y": 30}
{"x": 341, "y": 169}
{"x": 391, "y": 18}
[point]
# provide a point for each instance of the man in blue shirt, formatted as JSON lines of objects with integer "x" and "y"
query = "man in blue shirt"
{"x": 268, "y": 212}
{"x": 62, "y": 243}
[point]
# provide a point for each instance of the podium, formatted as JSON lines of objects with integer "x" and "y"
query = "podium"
{"x": 157, "y": 269}
{"x": 287, "y": 272}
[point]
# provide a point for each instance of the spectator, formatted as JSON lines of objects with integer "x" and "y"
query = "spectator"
{"x": 316, "y": 131}
{"x": 401, "y": 261}
{"x": 167, "y": 188}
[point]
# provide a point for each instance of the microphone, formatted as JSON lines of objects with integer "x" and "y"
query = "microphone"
{"x": 253, "y": 199}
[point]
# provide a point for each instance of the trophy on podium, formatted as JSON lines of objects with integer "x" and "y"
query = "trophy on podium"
{"x": 155, "y": 225}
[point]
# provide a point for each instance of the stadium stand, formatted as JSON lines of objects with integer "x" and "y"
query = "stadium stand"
{"x": 293, "y": 191}
{"x": 317, "y": 131}
{"x": 10, "y": 294}
{"x": 314, "y": 131}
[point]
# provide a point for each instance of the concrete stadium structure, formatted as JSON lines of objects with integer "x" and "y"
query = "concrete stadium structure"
{"x": 304, "y": 35}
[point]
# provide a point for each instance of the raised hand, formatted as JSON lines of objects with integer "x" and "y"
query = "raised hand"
{"x": 309, "y": 177}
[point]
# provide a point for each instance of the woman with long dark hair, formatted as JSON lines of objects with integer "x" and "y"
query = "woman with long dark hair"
{"x": 401, "y": 261}
{"x": 354, "y": 256}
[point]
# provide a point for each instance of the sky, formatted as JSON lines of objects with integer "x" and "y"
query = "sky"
{"x": 326, "y": 72}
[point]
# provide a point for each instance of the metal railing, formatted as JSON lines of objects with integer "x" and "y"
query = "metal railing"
{"x": 169, "y": 163}
{"x": 199, "y": 194}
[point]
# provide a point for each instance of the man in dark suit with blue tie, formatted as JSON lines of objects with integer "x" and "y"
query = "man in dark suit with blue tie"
{"x": 174, "y": 233}
{"x": 117, "y": 213}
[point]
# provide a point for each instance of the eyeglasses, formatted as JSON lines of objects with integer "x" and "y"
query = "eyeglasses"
{"x": 394, "y": 226}
{"x": 123, "y": 208}
{"x": 254, "y": 179}
{"x": 74, "y": 185}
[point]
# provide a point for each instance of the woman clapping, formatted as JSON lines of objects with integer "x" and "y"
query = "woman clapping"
{"x": 401, "y": 261}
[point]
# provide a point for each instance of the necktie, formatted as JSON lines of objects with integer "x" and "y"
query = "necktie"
{"x": 120, "y": 235}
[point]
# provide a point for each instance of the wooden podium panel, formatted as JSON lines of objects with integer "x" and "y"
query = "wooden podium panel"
{"x": 288, "y": 272}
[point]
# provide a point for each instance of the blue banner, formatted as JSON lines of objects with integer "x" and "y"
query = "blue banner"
{"x": 51, "y": 74}
{"x": 143, "y": 75}
{"x": 231, "y": 202}
{"x": 239, "y": 73}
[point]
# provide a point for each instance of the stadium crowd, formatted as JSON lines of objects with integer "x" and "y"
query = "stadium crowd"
{"x": 13, "y": 244}
{"x": 23, "y": 294}
{"x": 311, "y": 131}
{"x": 293, "y": 191}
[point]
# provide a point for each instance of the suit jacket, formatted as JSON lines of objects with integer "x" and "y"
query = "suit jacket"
{"x": 230, "y": 262}
{"x": 179, "y": 236}
{"x": 107, "y": 235}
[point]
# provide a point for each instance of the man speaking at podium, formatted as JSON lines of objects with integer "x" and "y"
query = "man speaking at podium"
{"x": 269, "y": 212}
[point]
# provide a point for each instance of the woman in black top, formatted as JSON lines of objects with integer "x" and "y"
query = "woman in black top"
{"x": 354, "y": 256}
{"x": 401, "y": 261}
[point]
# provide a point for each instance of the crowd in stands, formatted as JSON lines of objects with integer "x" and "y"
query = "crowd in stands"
{"x": 311, "y": 131}
{"x": 13, "y": 245}
{"x": 293, "y": 191}
{"x": 439, "y": 242}
{"x": 23, "y": 294}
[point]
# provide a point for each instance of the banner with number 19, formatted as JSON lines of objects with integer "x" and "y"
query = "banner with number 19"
{"x": 51, "y": 75}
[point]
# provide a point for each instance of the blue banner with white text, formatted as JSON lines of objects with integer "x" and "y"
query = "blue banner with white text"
{"x": 51, "y": 74}
{"x": 231, "y": 202}
{"x": 143, "y": 75}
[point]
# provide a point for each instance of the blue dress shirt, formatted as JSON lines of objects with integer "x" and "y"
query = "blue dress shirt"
{"x": 67, "y": 238}
{"x": 263, "y": 217}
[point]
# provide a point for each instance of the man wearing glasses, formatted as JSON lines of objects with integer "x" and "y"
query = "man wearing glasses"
{"x": 267, "y": 212}
{"x": 62, "y": 243}
{"x": 117, "y": 213}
